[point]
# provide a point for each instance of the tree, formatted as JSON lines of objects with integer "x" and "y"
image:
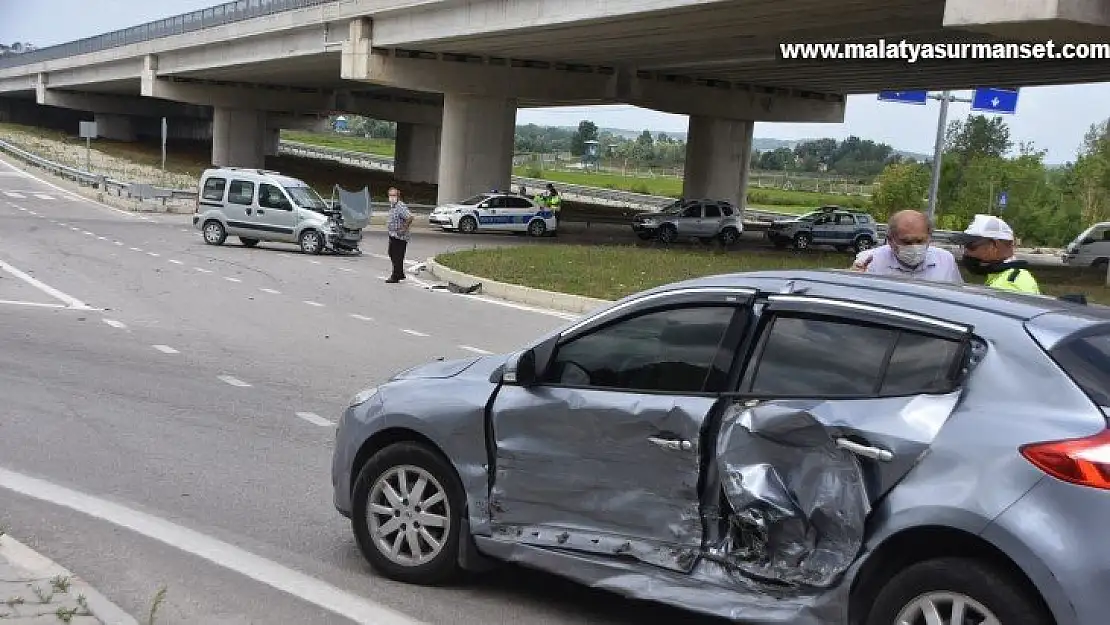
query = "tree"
{"x": 776, "y": 160}
{"x": 978, "y": 135}
{"x": 587, "y": 131}
{"x": 898, "y": 187}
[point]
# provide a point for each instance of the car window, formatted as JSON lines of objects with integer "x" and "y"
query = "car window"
{"x": 726, "y": 210}
{"x": 477, "y": 199}
{"x": 270, "y": 196}
{"x": 517, "y": 202}
{"x": 693, "y": 210}
{"x": 240, "y": 192}
{"x": 823, "y": 219}
{"x": 1087, "y": 361}
{"x": 845, "y": 220}
{"x": 712, "y": 210}
{"x": 920, "y": 364}
{"x": 819, "y": 357}
{"x": 214, "y": 189}
{"x": 863, "y": 219}
{"x": 671, "y": 350}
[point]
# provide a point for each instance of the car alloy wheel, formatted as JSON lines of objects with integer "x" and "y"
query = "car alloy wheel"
{"x": 801, "y": 241}
{"x": 537, "y": 228}
{"x": 468, "y": 225}
{"x": 945, "y": 608}
{"x": 311, "y": 243}
{"x": 214, "y": 233}
{"x": 408, "y": 515}
{"x": 668, "y": 233}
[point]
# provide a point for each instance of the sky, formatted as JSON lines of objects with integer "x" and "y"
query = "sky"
{"x": 1052, "y": 118}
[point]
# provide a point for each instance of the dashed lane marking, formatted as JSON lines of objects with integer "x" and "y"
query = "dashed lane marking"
{"x": 232, "y": 279}
{"x": 176, "y": 262}
{"x": 227, "y": 379}
{"x": 203, "y": 270}
{"x": 134, "y": 249}
{"x": 154, "y": 254}
{"x": 270, "y": 291}
{"x": 114, "y": 323}
{"x": 43, "y": 196}
{"x": 312, "y": 303}
{"x": 361, "y": 317}
{"x": 413, "y": 332}
{"x": 315, "y": 419}
{"x": 165, "y": 349}
{"x": 476, "y": 350}
{"x": 18, "y": 196}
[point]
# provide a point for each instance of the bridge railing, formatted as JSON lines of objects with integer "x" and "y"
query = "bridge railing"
{"x": 228, "y": 13}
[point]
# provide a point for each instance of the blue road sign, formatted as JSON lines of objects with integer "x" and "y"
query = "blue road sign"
{"x": 905, "y": 97}
{"x": 994, "y": 100}
{"x": 1002, "y": 198}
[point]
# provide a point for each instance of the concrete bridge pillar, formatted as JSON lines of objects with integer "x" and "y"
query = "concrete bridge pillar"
{"x": 115, "y": 127}
{"x": 476, "y": 145}
{"x": 417, "y": 154}
{"x": 238, "y": 138}
{"x": 271, "y": 141}
{"x": 718, "y": 158}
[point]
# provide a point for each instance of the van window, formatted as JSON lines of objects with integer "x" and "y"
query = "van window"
{"x": 240, "y": 192}
{"x": 214, "y": 189}
{"x": 270, "y": 196}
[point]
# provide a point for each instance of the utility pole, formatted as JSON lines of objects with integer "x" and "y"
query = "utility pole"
{"x": 945, "y": 98}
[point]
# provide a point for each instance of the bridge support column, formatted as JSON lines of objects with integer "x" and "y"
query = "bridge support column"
{"x": 115, "y": 127}
{"x": 271, "y": 141}
{"x": 238, "y": 138}
{"x": 718, "y": 157}
{"x": 476, "y": 151}
{"x": 417, "y": 155}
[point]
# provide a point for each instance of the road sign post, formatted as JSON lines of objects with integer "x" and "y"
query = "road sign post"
{"x": 1003, "y": 198}
{"x": 87, "y": 131}
{"x": 165, "y": 132}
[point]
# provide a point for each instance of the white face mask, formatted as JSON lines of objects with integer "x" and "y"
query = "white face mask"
{"x": 911, "y": 255}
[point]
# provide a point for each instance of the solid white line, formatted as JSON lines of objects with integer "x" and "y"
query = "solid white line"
{"x": 413, "y": 332}
{"x": 8, "y": 302}
{"x": 233, "y": 279}
{"x": 18, "y": 196}
{"x": 165, "y": 349}
{"x": 476, "y": 350}
{"x": 270, "y": 291}
{"x": 203, "y": 270}
{"x": 223, "y": 554}
{"x": 70, "y": 301}
{"x": 43, "y": 196}
{"x": 315, "y": 419}
{"x": 232, "y": 381}
{"x": 361, "y": 317}
{"x": 312, "y": 303}
{"x": 176, "y": 262}
{"x": 114, "y": 323}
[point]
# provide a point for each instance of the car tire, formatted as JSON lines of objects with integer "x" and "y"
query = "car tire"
{"x": 214, "y": 232}
{"x": 668, "y": 233}
{"x": 248, "y": 242}
{"x": 802, "y": 240}
{"x": 863, "y": 243}
{"x": 645, "y": 236}
{"x": 312, "y": 242}
{"x": 537, "y": 228}
{"x": 944, "y": 580}
{"x": 730, "y": 237}
{"x": 416, "y": 460}
{"x": 1100, "y": 264}
{"x": 468, "y": 225}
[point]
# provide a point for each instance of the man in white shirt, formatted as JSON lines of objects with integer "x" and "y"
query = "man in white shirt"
{"x": 909, "y": 252}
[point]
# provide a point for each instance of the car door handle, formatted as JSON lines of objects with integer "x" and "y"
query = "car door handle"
{"x": 875, "y": 453}
{"x": 261, "y": 212}
{"x": 671, "y": 443}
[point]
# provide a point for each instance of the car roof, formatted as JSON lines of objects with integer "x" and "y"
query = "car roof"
{"x": 271, "y": 176}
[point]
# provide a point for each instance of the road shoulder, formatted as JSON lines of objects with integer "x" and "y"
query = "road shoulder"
{"x": 553, "y": 300}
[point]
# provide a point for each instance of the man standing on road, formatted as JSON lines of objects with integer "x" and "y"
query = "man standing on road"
{"x": 400, "y": 220}
{"x": 989, "y": 251}
{"x": 909, "y": 252}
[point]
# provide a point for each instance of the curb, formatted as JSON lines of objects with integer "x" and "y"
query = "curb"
{"x": 24, "y": 557}
{"x": 564, "y": 302}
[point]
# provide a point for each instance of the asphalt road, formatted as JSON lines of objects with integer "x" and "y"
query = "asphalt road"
{"x": 166, "y": 411}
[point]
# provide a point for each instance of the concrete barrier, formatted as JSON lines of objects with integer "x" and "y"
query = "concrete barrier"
{"x": 553, "y": 300}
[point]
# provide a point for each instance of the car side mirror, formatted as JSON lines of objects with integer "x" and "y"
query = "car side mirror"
{"x": 1087, "y": 241}
{"x": 520, "y": 369}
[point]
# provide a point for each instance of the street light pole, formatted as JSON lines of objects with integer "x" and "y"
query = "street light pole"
{"x": 945, "y": 98}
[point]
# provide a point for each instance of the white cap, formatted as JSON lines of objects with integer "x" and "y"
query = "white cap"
{"x": 989, "y": 227}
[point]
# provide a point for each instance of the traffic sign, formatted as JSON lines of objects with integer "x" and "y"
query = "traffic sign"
{"x": 995, "y": 100}
{"x": 1002, "y": 199}
{"x": 905, "y": 97}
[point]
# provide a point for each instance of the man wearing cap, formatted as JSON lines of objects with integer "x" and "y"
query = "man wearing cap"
{"x": 989, "y": 251}
{"x": 909, "y": 252}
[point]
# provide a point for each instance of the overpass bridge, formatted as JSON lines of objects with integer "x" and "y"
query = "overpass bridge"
{"x": 453, "y": 73}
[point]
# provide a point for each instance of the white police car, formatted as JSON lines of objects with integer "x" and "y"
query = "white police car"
{"x": 503, "y": 212}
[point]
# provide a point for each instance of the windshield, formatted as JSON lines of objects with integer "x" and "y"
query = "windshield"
{"x": 477, "y": 199}
{"x": 306, "y": 197}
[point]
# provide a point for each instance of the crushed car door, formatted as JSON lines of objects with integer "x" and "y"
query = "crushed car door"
{"x": 605, "y": 454}
{"x": 838, "y": 403}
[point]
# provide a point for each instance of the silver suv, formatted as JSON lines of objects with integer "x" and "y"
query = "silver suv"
{"x": 707, "y": 220}
{"x": 841, "y": 228}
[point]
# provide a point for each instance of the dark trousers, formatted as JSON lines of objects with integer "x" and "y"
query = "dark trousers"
{"x": 397, "y": 249}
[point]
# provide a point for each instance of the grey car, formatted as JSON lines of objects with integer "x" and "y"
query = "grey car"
{"x": 707, "y": 220}
{"x": 794, "y": 447}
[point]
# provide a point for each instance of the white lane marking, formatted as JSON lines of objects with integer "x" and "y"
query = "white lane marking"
{"x": 361, "y": 317}
{"x": 233, "y": 279}
{"x": 226, "y": 555}
{"x": 118, "y": 242}
{"x": 203, "y": 270}
{"x": 476, "y": 350}
{"x": 270, "y": 291}
{"x": 347, "y": 269}
{"x": 77, "y": 196}
{"x": 315, "y": 419}
{"x": 102, "y": 238}
{"x": 8, "y": 302}
{"x": 73, "y": 228}
{"x": 88, "y": 233}
{"x": 227, "y": 379}
{"x": 165, "y": 349}
{"x": 533, "y": 309}
{"x": 43, "y": 196}
{"x": 413, "y": 332}
{"x": 312, "y": 303}
{"x": 314, "y": 262}
{"x": 18, "y": 196}
{"x": 185, "y": 230}
{"x": 381, "y": 256}
{"x": 114, "y": 323}
{"x": 383, "y": 277}
{"x": 69, "y": 300}
{"x": 21, "y": 208}
{"x": 154, "y": 254}
{"x": 134, "y": 249}
{"x": 176, "y": 262}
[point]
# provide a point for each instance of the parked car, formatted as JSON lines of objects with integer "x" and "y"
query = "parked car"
{"x": 707, "y": 220}
{"x": 794, "y": 447}
{"x": 829, "y": 225}
{"x": 506, "y": 212}
{"x": 1091, "y": 248}
{"x": 258, "y": 205}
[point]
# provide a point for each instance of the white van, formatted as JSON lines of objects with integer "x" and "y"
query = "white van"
{"x": 258, "y": 205}
{"x": 1091, "y": 248}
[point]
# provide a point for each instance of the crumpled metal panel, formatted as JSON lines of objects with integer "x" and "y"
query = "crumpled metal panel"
{"x": 355, "y": 207}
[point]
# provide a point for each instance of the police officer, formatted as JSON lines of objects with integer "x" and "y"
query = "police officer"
{"x": 989, "y": 251}
{"x": 554, "y": 202}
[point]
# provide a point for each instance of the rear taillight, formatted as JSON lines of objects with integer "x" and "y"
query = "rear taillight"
{"x": 1083, "y": 461}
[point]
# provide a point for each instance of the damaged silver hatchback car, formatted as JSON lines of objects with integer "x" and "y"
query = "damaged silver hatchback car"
{"x": 774, "y": 447}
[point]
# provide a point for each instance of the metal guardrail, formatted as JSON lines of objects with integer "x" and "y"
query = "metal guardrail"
{"x": 228, "y": 13}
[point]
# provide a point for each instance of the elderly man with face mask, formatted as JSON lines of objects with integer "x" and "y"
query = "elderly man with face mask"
{"x": 989, "y": 251}
{"x": 908, "y": 252}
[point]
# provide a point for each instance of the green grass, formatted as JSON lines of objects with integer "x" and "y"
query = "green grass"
{"x": 378, "y": 147}
{"x": 612, "y": 272}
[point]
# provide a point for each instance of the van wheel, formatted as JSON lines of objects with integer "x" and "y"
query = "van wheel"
{"x": 312, "y": 242}
{"x": 248, "y": 242}
{"x": 468, "y": 225}
{"x": 537, "y": 228}
{"x": 214, "y": 233}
